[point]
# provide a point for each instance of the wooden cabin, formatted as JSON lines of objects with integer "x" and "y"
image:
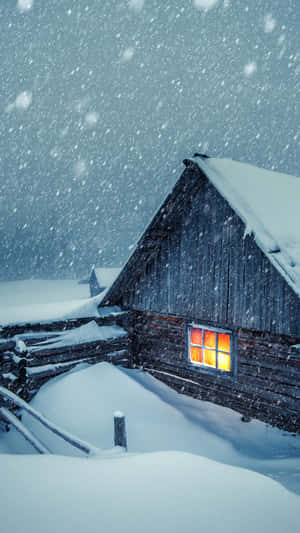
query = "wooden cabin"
{"x": 213, "y": 286}
{"x": 102, "y": 278}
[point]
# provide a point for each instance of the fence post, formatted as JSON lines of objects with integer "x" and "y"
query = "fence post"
{"x": 120, "y": 430}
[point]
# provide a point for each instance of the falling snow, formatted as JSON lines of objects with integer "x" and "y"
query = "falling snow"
{"x": 91, "y": 118}
{"x": 137, "y": 5}
{"x": 102, "y": 101}
{"x": 270, "y": 23}
{"x": 24, "y": 5}
{"x": 23, "y": 100}
{"x": 205, "y": 4}
{"x": 250, "y": 69}
{"x": 80, "y": 168}
{"x": 128, "y": 54}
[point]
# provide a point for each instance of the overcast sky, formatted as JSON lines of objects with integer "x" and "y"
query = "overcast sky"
{"x": 101, "y": 101}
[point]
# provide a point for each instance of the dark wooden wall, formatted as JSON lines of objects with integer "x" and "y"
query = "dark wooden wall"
{"x": 194, "y": 263}
{"x": 266, "y": 385}
{"x": 202, "y": 265}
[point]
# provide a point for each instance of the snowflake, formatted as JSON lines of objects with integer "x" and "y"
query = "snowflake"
{"x": 137, "y": 5}
{"x": 128, "y": 54}
{"x": 80, "y": 168}
{"x": 24, "y": 5}
{"x": 269, "y": 23}
{"x": 23, "y": 100}
{"x": 205, "y": 4}
{"x": 250, "y": 69}
{"x": 91, "y": 118}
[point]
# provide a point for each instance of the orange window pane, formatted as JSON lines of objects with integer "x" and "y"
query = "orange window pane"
{"x": 210, "y": 358}
{"x": 224, "y": 361}
{"x": 196, "y": 354}
{"x": 210, "y": 339}
{"x": 224, "y": 342}
{"x": 196, "y": 336}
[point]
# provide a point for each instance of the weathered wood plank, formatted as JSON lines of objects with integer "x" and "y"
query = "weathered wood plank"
{"x": 286, "y": 419}
{"x": 222, "y": 275}
{"x": 266, "y": 381}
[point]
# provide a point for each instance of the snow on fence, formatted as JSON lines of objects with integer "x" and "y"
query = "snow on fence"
{"x": 10, "y": 418}
{"x": 68, "y": 437}
{"x": 109, "y": 316}
{"x": 30, "y": 358}
{"x": 12, "y": 400}
{"x": 31, "y": 354}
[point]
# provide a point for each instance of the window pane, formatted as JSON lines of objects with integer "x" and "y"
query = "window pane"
{"x": 210, "y": 357}
{"x": 224, "y": 361}
{"x": 210, "y": 339}
{"x": 196, "y": 354}
{"x": 196, "y": 336}
{"x": 224, "y": 342}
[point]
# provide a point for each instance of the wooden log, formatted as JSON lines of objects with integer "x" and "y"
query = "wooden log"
{"x": 68, "y": 437}
{"x": 120, "y": 437}
{"x": 5, "y": 367}
{"x": 63, "y": 325}
{"x": 260, "y": 354}
{"x": 226, "y": 387}
{"x": 38, "y": 375}
{"x": 255, "y": 364}
{"x": 7, "y": 345}
{"x": 22, "y": 363}
{"x": 99, "y": 346}
{"x": 279, "y": 378}
{"x": 286, "y": 419}
{"x": 10, "y": 418}
{"x": 78, "y": 354}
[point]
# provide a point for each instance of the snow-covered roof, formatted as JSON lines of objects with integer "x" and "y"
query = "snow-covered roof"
{"x": 269, "y": 205}
{"x": 106, "y": 276}
{"x": 43, "y": 301}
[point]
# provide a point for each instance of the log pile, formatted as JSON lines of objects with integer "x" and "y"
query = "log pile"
{"x": 120, "y": 319}
{"x": 12, "y": 367}
{"x": 24, "y": 369}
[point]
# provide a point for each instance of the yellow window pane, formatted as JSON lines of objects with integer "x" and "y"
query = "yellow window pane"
{"x": 210, "y": 357}
{"x": 210, "y": 339}
{"x": 196, "y": 336}
{"x": 224, "y": 342}
{"x": 224, "y": 361}
{"x": 196, "y": 354}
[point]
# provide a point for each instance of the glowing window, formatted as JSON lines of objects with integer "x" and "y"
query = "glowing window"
{"x": 210, "y": 348}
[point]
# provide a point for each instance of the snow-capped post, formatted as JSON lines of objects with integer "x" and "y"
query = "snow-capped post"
{"x": 120, "y": 430}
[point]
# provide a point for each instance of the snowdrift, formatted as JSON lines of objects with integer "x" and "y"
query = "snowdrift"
{"x": 158, "y": 492}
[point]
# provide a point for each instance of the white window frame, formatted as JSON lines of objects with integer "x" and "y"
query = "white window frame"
{"x": 216, "y": 331}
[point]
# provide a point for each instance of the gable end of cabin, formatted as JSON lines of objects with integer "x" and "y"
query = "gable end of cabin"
{"x": 211, "y": 316}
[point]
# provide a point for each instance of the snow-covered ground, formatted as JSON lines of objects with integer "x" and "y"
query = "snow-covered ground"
{"x": 45, "y": 300}
{"x": 189, "y": 462}
{"x": 160, "y": 492}
{"x": 41, "y": 291}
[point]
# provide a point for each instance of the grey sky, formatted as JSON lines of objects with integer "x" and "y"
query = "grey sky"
{"x": 100, "y": 103}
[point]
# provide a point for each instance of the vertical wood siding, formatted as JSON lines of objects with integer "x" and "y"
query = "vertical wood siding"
{"x": 206, "y": 267}
{"x": 194, "y": 263}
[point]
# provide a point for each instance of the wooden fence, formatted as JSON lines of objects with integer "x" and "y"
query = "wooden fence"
{"x": 24, "y": 372}
{"x": 12, "y": 401}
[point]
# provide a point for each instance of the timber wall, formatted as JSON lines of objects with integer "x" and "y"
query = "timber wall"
{"x": 195, "y": 260}
{"x": 266, "y": 384}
